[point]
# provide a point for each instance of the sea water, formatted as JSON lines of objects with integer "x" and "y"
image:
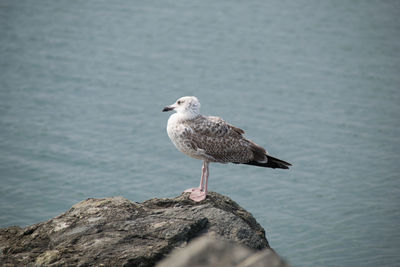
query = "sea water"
{"x": 83, "y": 83}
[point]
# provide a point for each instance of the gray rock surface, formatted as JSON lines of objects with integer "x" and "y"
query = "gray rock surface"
{"x": 206, "y": 251}
{"x": 118, "y": 232}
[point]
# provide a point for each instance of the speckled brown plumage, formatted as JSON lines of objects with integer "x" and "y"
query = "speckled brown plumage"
{"x": 220, "y": 141}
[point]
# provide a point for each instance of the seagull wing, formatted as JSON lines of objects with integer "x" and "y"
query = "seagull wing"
{"x": 221, "y": 141}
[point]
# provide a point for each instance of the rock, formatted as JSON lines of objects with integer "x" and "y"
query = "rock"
{"x": 118, "y": 232}
{"x": 207, "y": 252}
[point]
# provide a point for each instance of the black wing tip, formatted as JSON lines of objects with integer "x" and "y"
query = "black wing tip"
{"x": 272, "y": 165}
{"x": 272, "y": 162}
{"x": 287, "y": 164}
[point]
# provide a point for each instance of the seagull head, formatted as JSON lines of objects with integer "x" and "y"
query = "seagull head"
{"x": 188, "y": 105}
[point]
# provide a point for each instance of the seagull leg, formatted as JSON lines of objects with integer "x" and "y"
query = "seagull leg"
{"x": 199, "y": 195}
{"x": 203, "y": 173}
{"x": 201, "y": 186}
{"x": 206, "y": 183}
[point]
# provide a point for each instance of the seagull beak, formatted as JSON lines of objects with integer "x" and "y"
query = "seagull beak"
{"x": 168, "y": 108}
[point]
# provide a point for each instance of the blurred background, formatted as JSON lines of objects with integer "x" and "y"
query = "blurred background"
{"x": 82, "y": 85}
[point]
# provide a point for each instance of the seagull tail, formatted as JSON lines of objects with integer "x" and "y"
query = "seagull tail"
{"x": 271, "y": 163}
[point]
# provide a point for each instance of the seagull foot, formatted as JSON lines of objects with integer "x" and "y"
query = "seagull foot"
{"x": 198, "y": 195}
{"x": 190, "y": 190}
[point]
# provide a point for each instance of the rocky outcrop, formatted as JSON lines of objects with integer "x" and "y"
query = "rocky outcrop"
{"x": 118, "y": 232}
{"x": 208, "y": 251}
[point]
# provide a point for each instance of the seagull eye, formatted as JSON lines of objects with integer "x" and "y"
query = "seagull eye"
{"x": 179, "y": 102}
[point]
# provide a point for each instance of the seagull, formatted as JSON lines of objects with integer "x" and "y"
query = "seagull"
{"x": 211, "y": 139}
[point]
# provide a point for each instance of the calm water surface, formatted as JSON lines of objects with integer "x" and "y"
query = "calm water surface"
{"x": 82, "y": 85}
